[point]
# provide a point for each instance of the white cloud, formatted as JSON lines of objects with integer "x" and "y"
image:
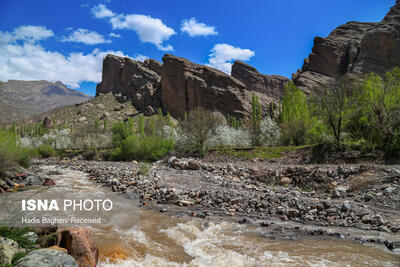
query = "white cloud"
{"x": 101, "y": 11}
{"x": 140, "y": 57}
{"x": 31, "y": 61}
{"x": 194, "y": 28}
{"x": 85, "y": 36}
{"x": 115, "y": 35}
{"x": 222, "y": 55}
{"x": 27, "y": 33}
{"x": 150, "y": 30}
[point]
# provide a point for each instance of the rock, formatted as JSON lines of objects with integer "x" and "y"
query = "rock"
{"x": 82, "y": 119}
{"x": 193, "y": 164}
{"x": 34, "y": 180}
{"x": 366, "y": 219}
{"x": 285, "y": 180}
{"x": 31, "y": 236}
{"x": 231, "y": 168}
{"x": 352, "y": 49}
{"x": 58, "y": 248}
{"x": 186, "y": 86}
{"x": 149, "y": 111}
{"x": 3, "y": 184}
{"x": 80, "y": 246}
{"x": 185, "y": 203}
{"x": 292, "y": 213}
{"x": 272, "y": 86}
{"x": 100, "y": 106}
{"x": 137, "y": 81}
{"x": 48, "y": 182}
{"x": 8, "y": 248}
{"x": 47, "y": 258}
{"x": 346, "y": 206}
{"x": 163, "y": 210}
{"x": 47, "y": 123}
{"x": 390, "y": 190}
{"x": 336, "y": 193}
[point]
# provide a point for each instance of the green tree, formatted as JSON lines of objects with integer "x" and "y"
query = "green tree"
{"x": 255, "y": 121}
{"x": 295, "y": 116}
{"x": 331, "y": 105}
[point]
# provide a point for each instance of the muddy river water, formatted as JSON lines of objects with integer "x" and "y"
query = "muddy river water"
{"x": 133, "y": 236}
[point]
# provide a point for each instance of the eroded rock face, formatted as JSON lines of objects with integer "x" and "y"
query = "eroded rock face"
{"x": 353, "y": 49}
{"x": 186, "y": 86}
{"x": 272, "y": 86}
{"x": 135, "y": 81}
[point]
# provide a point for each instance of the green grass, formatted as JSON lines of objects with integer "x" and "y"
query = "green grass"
{"x": 16, "y": 234}
{"x": 259, "y": 152}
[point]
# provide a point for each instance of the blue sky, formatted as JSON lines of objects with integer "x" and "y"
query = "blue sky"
{"x": 66, "y": 40}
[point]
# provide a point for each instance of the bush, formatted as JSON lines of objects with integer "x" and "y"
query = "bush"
{"x": 136, "y": 147}
{"x": 199, "y": 127}
{"x": 43, "y": 151}
{"x": 11, "y": 152}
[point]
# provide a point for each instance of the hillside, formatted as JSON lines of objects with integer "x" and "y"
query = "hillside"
{"x": 22, "y": 99}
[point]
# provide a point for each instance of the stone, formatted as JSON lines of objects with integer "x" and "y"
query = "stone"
{"x": 336, "y": 193}
{"x": 58, "y": 248}
{"x": 390, "y": 190}
{"x": 100, "y": 106}
{"x": 34, "y": 180}
{"x": 8, "y": 248}
{"x": 82, "y": 119}
{"x": 186, "y": 86}
{"x": 272, "y": 86}
{"x": 231, "y": 168}
{"x": 80, "y": 245}
{"x": 292, "y": 213}
{"x": 135, "y": 80}
{"x": 149, "y": 111}
{"x": 46, "y": 258}
{"x": 48, "y": 182}
{"x": 47, "y": 123}
{"x": 366, "y": 219}
{"x": 285, "y": 180}
{"x": 193, "y": 164}
{"x": 346, "y": 206}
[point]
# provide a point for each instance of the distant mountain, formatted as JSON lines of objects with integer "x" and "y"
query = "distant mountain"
{"x": 23, "y": 99}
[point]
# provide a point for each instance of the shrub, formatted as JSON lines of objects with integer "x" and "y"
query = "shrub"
{"x": 226, "y": 136}
{"x": 44, "y": 151}
{"x": 11, "y": 152}
{"x": 270, "y": 133}
{"x": 199, "y": 127}
{"x": 136, "y": 147}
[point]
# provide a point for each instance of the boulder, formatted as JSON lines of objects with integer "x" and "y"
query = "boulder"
{"x": 47, "y": 123}
{"x": 80, "y": 246}
{"x": 137, "y": 81}
{"x": 149, "y": 111}
{"x": 352, "y": 49}
{"x": 272, "y": 86}
{"x": 8, "y": 248}
{"x": 186, "y": 86}
{"x": 46, "y": 258}
{"x": 48, "y": 182}
{"x": 34, "y": 180}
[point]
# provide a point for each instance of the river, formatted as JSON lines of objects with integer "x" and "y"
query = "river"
{"x": 133, "y": 236}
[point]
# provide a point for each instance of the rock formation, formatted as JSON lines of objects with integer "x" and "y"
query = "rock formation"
{"x": 186, "y": 85}
{"x": 352, "y": 50}
{"x": 136, "y": 81}
{"x": 273, "y": 86}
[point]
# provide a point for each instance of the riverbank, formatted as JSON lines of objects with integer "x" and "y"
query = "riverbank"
{"x": 347, "y": 201}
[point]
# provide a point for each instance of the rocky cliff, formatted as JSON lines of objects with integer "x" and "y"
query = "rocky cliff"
{"x": 179, "y": 85}
{"x": 23, "y": 99}
{"x": 351, "y": 50}
{"x": 186, "y": 85}
{"x": 272, "y": 86}
{"x": 138, "y": 82}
